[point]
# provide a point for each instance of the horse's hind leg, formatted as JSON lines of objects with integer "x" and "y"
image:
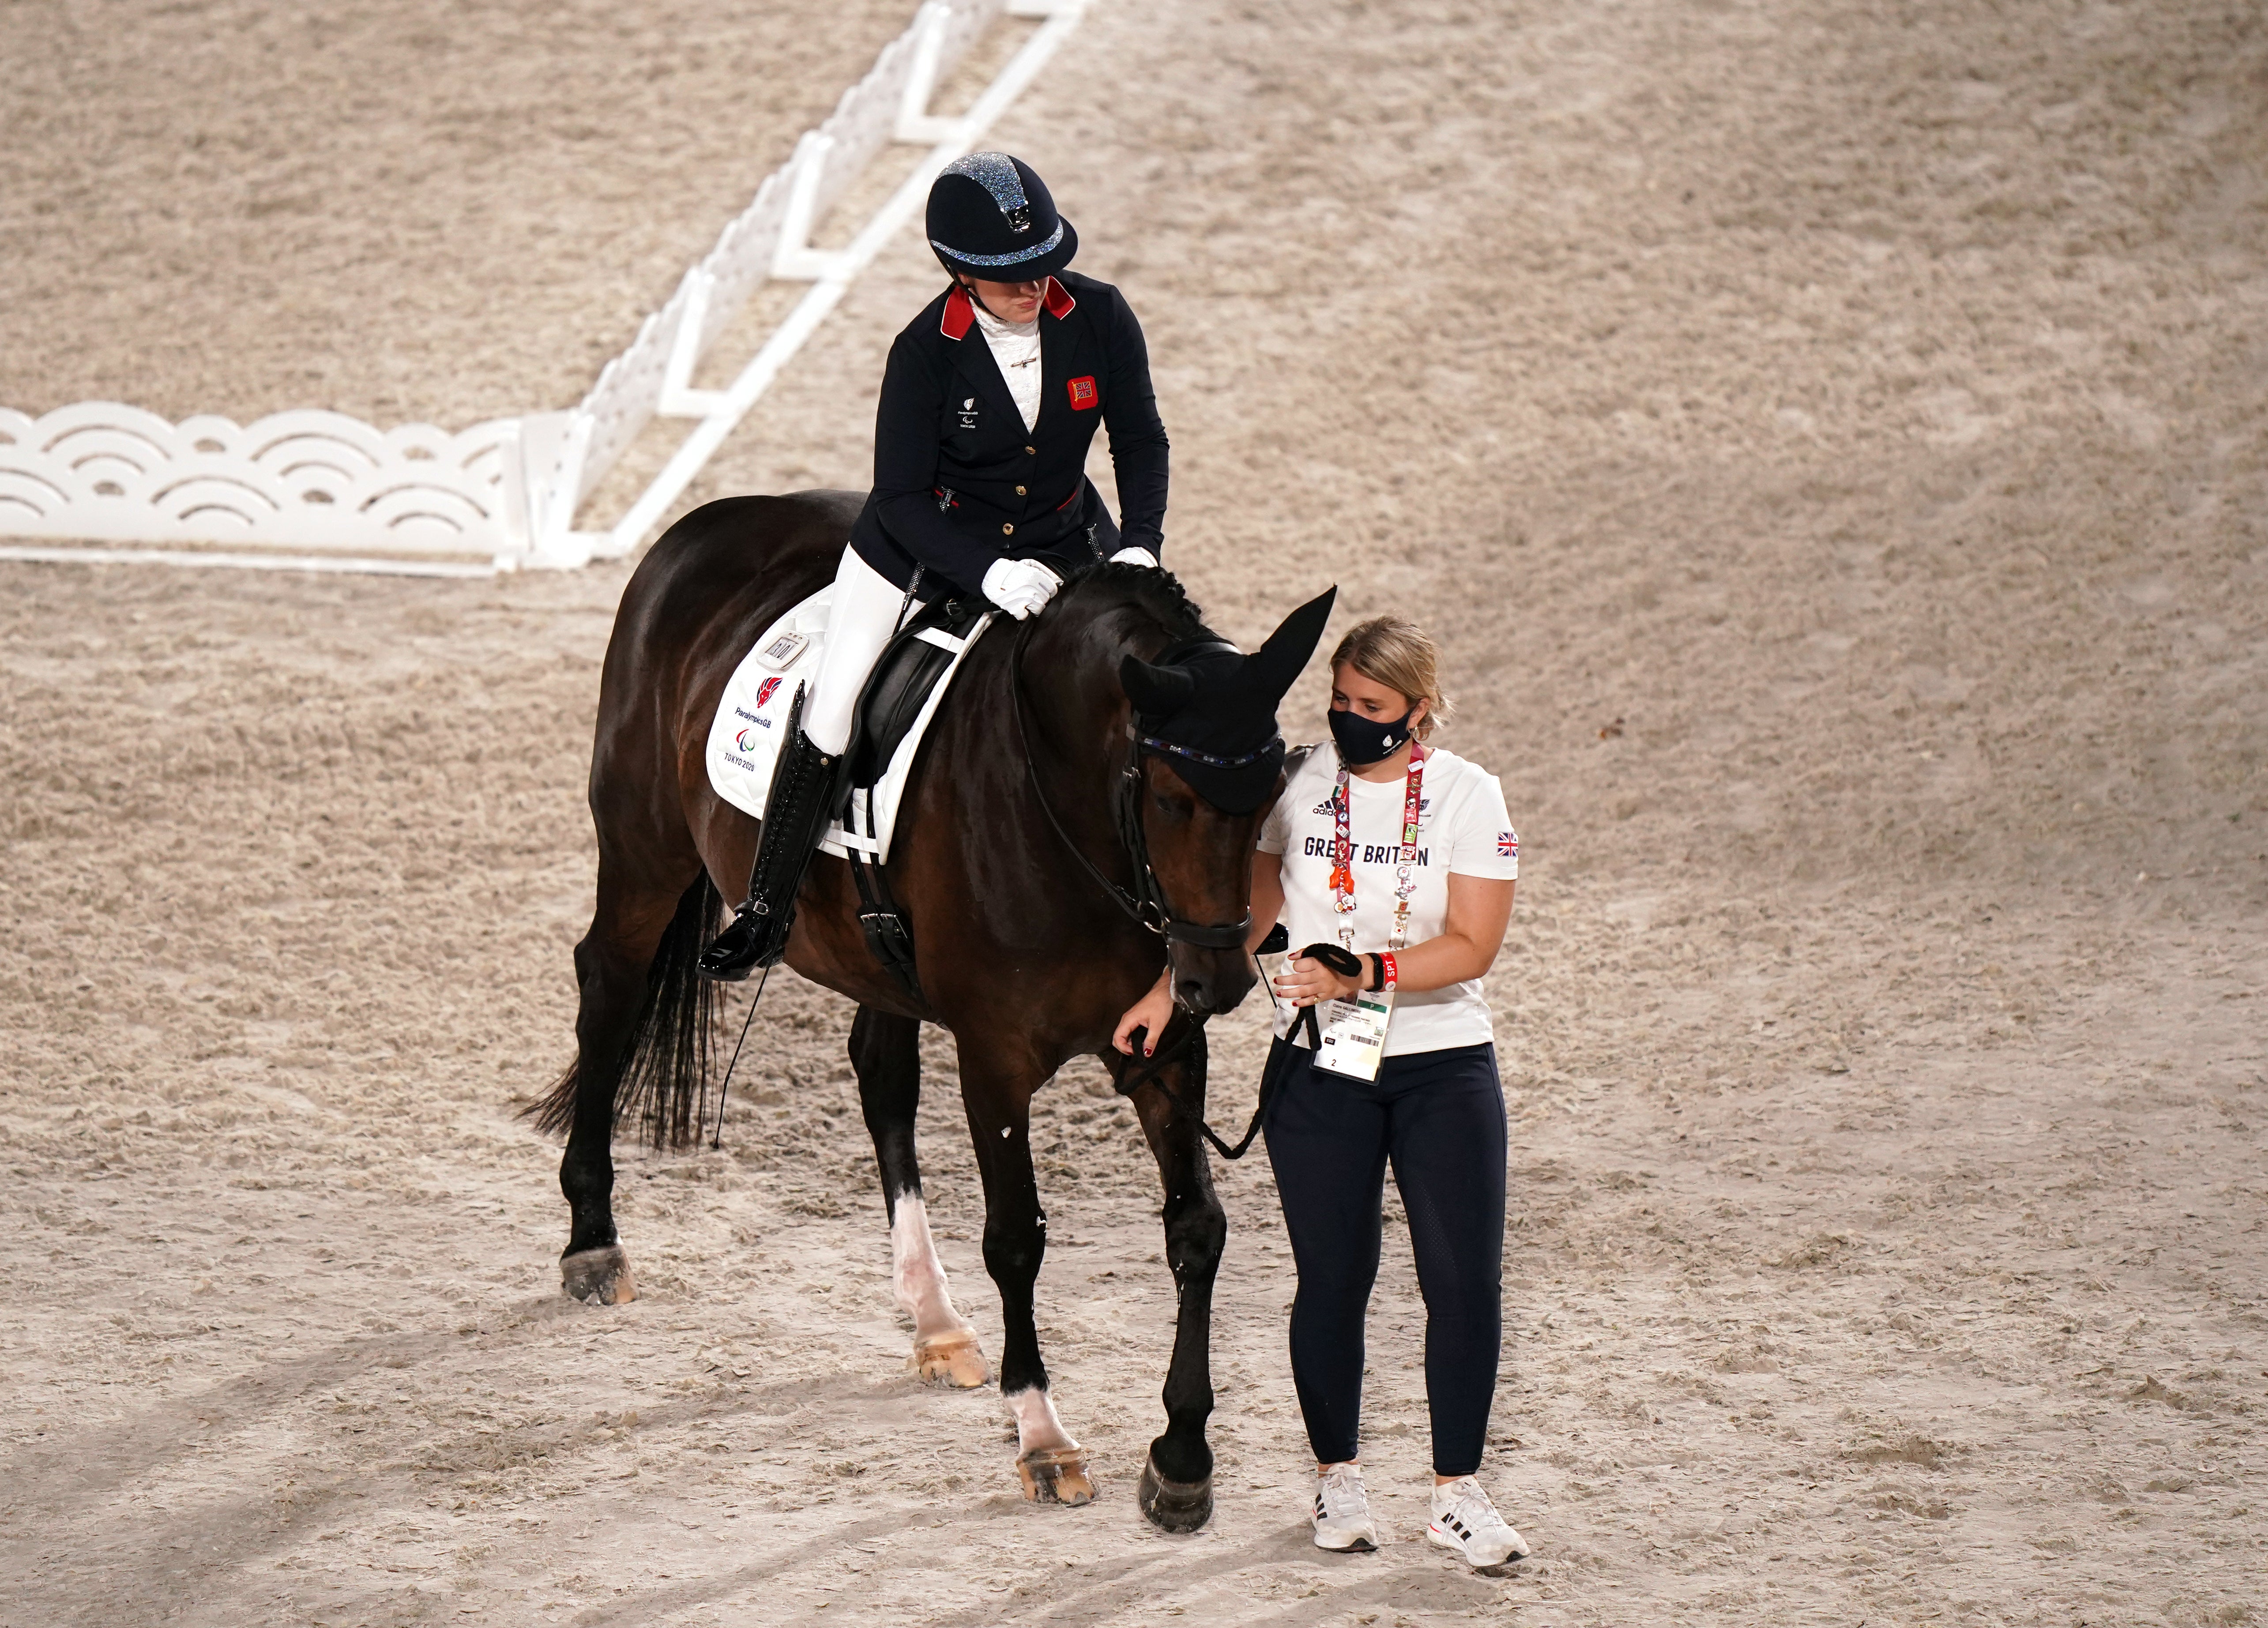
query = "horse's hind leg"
{"x": 1177, "y": 1489}
{"x": 634, "y": 969}
{"x": 886, "y": 1051}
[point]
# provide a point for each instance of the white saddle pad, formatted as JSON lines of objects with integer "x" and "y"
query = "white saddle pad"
{"x": 744, "y": 740}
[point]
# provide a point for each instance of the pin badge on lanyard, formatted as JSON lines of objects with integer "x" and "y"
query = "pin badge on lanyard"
{"x": 1353, "y": 1037}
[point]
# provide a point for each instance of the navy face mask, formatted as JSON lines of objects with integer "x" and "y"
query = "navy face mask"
{"x": 1365, "y": 740}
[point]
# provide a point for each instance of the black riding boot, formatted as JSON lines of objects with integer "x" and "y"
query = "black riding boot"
{"x": 796, "y": 812}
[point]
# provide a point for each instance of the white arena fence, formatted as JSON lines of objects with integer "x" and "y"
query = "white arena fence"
{"x": 308, "y": 489}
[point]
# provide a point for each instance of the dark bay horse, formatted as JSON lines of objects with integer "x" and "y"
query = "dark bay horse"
{"x": 1022, "y": 954}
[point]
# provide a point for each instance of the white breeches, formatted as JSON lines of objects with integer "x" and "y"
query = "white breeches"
{"x": 863, "y": 615}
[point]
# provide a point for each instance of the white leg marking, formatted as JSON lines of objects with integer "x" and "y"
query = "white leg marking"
{"x": 917, "y": 1275}
{"x": 1036, "y": 1424}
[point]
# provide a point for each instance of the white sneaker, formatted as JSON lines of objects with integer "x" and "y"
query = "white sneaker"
{"x": 1464, "y": 1520}
{"x": 1343, "y": 1512}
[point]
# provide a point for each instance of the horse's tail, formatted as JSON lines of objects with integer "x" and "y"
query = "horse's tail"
{"x": 662, "y": 1073}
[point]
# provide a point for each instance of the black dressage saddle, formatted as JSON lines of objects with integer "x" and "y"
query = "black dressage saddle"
{"x": 904, "y": 673}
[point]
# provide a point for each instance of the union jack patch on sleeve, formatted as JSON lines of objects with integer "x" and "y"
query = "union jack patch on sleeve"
{"x": 1507, "y": 844}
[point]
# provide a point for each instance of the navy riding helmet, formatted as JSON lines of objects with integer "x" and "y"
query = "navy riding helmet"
{"x": 991, "y": 217}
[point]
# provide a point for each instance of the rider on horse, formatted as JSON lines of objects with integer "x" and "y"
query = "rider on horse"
{"x": 980, "y": 485}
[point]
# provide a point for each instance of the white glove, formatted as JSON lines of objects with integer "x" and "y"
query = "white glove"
{"x": 1020, "y": 587}
{"x": 1135, "y": 557}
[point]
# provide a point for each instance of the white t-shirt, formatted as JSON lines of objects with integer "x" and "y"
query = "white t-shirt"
{"x": 1461, "y": 828}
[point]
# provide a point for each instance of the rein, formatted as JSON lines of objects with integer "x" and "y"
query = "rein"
{"x": 1193, "y": 1039}
{"x": 1279, "y": 1054}
{"x": 1146, "y": 902}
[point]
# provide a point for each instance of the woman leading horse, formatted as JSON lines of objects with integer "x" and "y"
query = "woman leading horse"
{"x": 989, "y": 402}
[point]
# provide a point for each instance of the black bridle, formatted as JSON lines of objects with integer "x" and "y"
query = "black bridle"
{"x": 1146, "y": 901}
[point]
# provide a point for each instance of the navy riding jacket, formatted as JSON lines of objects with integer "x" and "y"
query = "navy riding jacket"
{"x": 959, "y": 482}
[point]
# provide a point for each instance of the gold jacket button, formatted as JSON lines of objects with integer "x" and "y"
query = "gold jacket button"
{"x": 1031, "y": 451}
{"x": 1020, "y": 492}
{"x": 1007, "y": 531}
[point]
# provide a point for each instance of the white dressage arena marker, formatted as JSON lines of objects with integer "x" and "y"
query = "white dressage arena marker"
{"x": 317, "y": 490}
{"x": 417, "y": 497}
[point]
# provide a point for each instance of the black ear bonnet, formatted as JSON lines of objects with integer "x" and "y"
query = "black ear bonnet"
{"x": 1210, "y": 710}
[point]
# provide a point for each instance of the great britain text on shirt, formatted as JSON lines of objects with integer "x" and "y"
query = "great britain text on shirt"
{"x": 1365, "y": 853}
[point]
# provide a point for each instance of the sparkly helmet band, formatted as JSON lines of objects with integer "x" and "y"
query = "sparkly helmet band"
{"x": 1015, "y": 259}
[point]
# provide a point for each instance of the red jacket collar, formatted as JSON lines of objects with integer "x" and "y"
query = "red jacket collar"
{"x": 960, "y": 312}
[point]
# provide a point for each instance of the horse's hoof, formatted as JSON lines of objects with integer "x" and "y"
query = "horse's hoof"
{"x": 1174, "y": 1505}
{"x": 598, "y": 1277}
{"x": 953, "y": 1359}
{"x": 1056, "y": 1475}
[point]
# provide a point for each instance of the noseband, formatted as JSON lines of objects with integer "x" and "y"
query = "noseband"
{"x": 1145, "y": 903}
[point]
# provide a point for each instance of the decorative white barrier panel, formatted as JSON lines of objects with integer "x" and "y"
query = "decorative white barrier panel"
{"x": 320, "y": 490}
{"x": 296, "y": 480}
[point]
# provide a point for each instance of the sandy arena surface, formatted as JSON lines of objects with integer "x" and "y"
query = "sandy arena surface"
{"x": 1831, "y": 441}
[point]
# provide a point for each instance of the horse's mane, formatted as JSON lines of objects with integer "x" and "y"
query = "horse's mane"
{"x": 1152, "y": 589}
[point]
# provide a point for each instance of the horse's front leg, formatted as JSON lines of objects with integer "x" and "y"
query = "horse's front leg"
{"x": 886, "y": 1052}
{"x": 1176, "y": 1491}
{"x": 997, "y": 1096}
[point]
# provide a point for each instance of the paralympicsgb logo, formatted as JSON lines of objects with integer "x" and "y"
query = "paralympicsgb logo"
{"x": 764, "y": 693}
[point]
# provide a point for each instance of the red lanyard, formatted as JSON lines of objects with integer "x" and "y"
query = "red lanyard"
{"x": 1405, "y": 884}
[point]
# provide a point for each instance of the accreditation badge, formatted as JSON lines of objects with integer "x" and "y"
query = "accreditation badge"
{"x": 1353, "y": 1037}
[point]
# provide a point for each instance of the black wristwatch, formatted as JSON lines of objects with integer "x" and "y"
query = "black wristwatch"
{"x": 1377, "y": 974}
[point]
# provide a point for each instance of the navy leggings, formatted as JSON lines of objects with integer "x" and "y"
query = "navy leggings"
{"x": 1439, "y": 1116}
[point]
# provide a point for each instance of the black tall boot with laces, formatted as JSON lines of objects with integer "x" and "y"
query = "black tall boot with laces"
{"x": 796, "y": 812}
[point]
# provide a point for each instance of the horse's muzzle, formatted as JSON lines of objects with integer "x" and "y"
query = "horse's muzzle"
{"x": 1209, "y": 981}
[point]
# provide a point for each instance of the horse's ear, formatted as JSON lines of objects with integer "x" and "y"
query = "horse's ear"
{"x": 1157, "y": 691}
{"x": 1272, "y": 668}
